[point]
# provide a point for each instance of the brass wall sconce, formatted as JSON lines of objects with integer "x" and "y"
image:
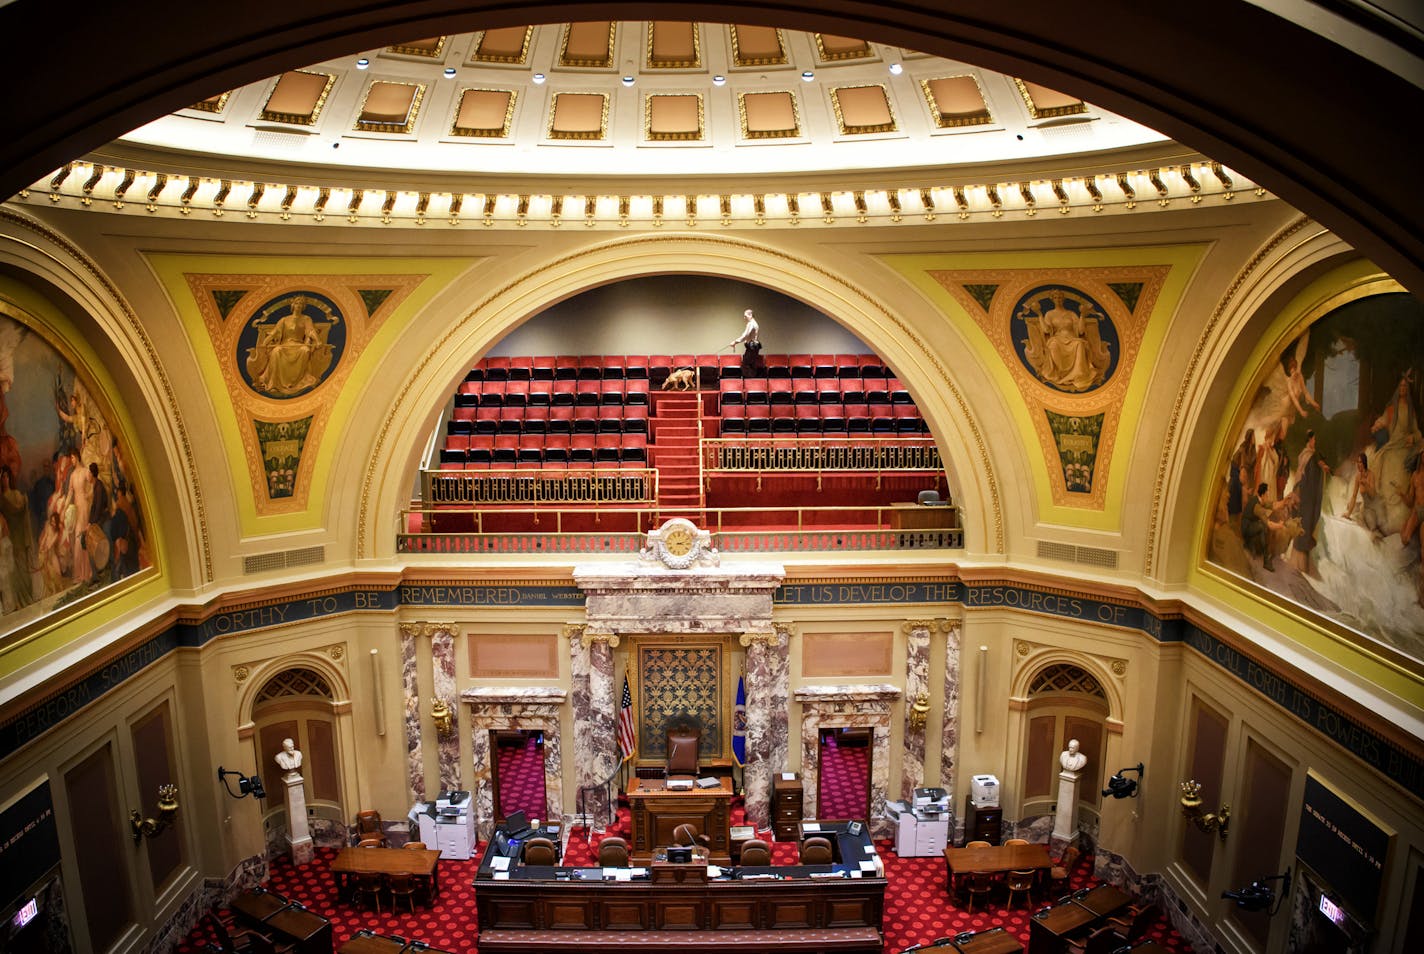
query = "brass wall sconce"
{"x": 167, "y": 809}
{"x": 919, "y": 711}
{"x": 441, "y": 715}
{"x": 1207, "y": 822}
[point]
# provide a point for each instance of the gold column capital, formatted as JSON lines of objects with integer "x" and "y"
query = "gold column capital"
{"x": 428, "y": 629}
{"x": 574, "y": 630}
{"x": 610, "y": 638}
{"x": 929, "y": 625}
{"x": 761, "y": 638}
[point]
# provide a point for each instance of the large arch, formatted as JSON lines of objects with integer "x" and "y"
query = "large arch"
{"x": 976, "y": 474}
{"x": 1308, "y": 118}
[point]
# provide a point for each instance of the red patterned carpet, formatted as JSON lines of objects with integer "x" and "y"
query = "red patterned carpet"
{"x": 917, "y": 906}
{"x": 521, "y": 779}
{"x": 844, "y": 779}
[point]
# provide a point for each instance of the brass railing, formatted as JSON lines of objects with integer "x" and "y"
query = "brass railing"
{"x": 864, "y": 452}
{"x": 559, "y": 531}
{"x": 591, "y": 485}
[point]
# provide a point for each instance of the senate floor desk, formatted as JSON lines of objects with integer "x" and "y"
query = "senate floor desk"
{"x": 657, "y": 810}
{"x": 691, "y": 907}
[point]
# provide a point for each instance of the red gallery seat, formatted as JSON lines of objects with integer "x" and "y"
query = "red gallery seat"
{"x": 882, "y": 419}
{"x": 516, "y": 393}
{"x": 635, "y": 366}
{"x": 591, "y": 367}
{"x": 610, "y": 419}
{"x": 586, "y": 418}
{"x": 520, "y": 367}
{"x": 581, "y": 448}
{"x": 778, "y": 391}
{"x": 487, "y": 419}
{"x": 729, "y": 366}
{"x": 531, "y": 449}
{"x": 635, "y": 420}
{"x": 908, "y": 420}
{"x": 561, "y": 419}
{"x": 606, "y": 448}
{"x": 734, "y": 421}
{"x": 758, "y": 419}
{"x": 848, "y": 365}
{"x": 476, "y": 372}
{"x": 783, "y": 419}
{"x": 870, "y": 366}
{"x": 506, "y": 449}
{"x": 634, "y": 449}
{"x": 540, "y": 393}
{"x": 536, "y": 420}
{"x": 542, "y": 368}
{"x": 754, "y": 391}
{"x": 808, "y": 419}
{"x": 853, "y": 391}
{"x": 611, "y": 392}
{"x": 492, "y": 394}
{"x": 730, "y": 391}
{"x": 832, "y": 418}
{"x": 613, "y": 366}
{"x": 556, "y": 448}
{"x": 777, "y": 365}
{"x": 481, "y": 449}
{"x": 635, "y": 391}
{"x": 511, "y": 420}
{"x": 588, "y": 391}
{"x": 564, "y": 392}
{"x": 565, "y": 368}
{"x": 829, "y": 395}
{"x": 824, "y": 365}
{"x": 898, "y": 392}
{"x": 497, "y": 369}
{"x": 801, "y": 366}
{"x": 805, "y": 391}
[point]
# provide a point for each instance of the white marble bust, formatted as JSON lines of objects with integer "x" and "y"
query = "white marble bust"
{"x": 1071, "y": 759}
{"x": 290, "y": 758}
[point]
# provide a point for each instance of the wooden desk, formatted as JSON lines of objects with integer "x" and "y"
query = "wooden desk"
{"x": 364, "y": 942}
{"x": 992, "y": 941}
{"x": 916, "y": 516}
{"x": 1048, "y": 928}
{"x": 656, "y": 811}
{"x": 277, "y": 917}
{"x": 995, "y": 859}
{"x": 386, "y": 861}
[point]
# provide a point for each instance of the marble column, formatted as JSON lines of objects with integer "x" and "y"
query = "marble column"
{"x": 917, "y": 701}
{"x": 410, "y": 693}
{"x": 949, "y": 726}
{"x": 442, "y": 654}
{"x": 768, "y": 686}
{"x": 595, "y": 723}
{"x": 299, "y": 840}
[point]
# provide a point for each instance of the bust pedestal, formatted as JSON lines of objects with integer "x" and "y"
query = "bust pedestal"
{"x": 1064, "y": 826}
{"x": 298, "y": 833}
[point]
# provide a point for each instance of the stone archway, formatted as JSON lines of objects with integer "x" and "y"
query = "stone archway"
{"x": 864, "y": 707}
{"x": 495, "y": 708}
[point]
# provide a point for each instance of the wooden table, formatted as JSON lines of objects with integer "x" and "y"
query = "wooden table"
{"x": 364, "y": 942}
{"x": 423, "y": 863}
{"x": 995, "y": 859}
{"x": 656, "y": 812}
{"x": 992, "y": 941}
{"x": 274, "y": 915}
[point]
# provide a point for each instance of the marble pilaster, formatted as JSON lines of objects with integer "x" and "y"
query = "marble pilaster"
{"x": 442, "y": 655}
{"x": 768, "y": 687}
{"x": 410, "y": 696}
{"x": 595, "y": 733}
{"x": 949, "y": 727}
{"x": 917, "y": 700}
{"x": 496, "y": 708}
{"x": 848, "y": 706}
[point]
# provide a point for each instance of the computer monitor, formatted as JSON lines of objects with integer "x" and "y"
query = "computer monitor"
{"x": 679, "y": 854}
{"x": 516, "y": 823}
{"x": 501, "y": 845}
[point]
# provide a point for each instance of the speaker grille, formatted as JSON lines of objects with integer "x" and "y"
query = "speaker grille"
{"x": 283, "y": 559}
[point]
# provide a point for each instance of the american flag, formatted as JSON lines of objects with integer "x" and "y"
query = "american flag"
{"x": 627, "y": 739}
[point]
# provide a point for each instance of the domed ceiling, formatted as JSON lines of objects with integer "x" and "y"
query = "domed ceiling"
{"x": 639, "y": 98}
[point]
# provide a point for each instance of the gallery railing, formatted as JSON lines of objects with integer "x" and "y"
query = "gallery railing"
{"x": 620, "y": 530}
{"x": 770, "y": 454}
{"x": 603, "y": 485}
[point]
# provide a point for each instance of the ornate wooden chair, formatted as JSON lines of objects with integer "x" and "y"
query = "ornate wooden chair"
{"x": 1020, "y": 882}
{"x": 816, "y": 851}
{"x": 978, "y": 883}
{"x": 540, "y": 851}
{"x": 368, "y": 825}
{"x": 401, "y": 886}
{"x": 368, "y": 887}
{"x": 755, "y": 852}
{"x": 613, "y": 852}
{"x": 688, "y": 835}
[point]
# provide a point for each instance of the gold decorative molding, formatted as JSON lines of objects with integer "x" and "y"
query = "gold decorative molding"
{"x": 594, "y": 638}
{"x": 428, "y": 629}
{"x": 1022, "y": 648}
{"x": 1118, "y": 667}
{"x": 768, "y": 638}
{"x": 240, "y": 674}
{"x": 909, "y": 626}
{"x": 337, "y": 652}
{"x": 574, "y": 630}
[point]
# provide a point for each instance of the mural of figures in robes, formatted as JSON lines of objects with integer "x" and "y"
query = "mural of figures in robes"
{"x": 1321, "y": 499}
{"x": 70, "y": 517}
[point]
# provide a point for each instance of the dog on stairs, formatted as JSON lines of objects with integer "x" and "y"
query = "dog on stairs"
{"x": 683, "y": 379}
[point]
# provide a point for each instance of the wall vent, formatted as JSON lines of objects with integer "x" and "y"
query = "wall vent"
{"x": 277, "y": 138}
{"x": 283, "y": 559}
{"x": 1085, "y": 556}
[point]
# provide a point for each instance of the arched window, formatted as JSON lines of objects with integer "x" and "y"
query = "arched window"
{"x": 1064, "y": 702}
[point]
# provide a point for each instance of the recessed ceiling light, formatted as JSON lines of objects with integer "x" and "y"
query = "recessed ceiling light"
{"x": 539, "y": 79}
{"x": 896, "y": 69}
{"x": 719, "y": 80}
{"x": 362, "y": 63}
{"x": 627, "y": 81}
{"x": 449, "y": 72}
{"x": 808, "y": 76}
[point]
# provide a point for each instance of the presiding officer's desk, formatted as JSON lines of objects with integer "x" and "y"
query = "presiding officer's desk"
{"x": 830, "y": 907}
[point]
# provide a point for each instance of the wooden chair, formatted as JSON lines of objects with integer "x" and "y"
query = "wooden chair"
{"x": 689, "y": 836}
{"x": 540, "y": 851}
{"x": 368, "y": 825}
{"x": 977, "y": 844}
{"x": 234, "y": 940}
{"x": 1020, "y": 881}
{"x": 613, "y": 852}
{"x": 1015, "y": 841}
{"x": 1134, "y": 921}
{"x": 755, "y": 852}
{"x": 1060, "y": 874}
{"x": 368, "y": 886}
{"x": 978, "y": 883}
{"x": 415, "y": 845}
{"x": 371, "y": 843}
{"x": 1103, "y": 940}
{"x": 401, "y": 886}
{"x": 816, "y": 851}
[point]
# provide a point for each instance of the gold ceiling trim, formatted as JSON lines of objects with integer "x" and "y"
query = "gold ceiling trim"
{"x": 656, "y": 64}
{"x": 836, "y": 56}
{"x": 945, "y": 121}
{"x": 428, "y": 53}
{"x": 477, "y": 57}
{"x": 501, "y": 133}
{"x": 297, "y": 119}
{"x": 739, "y": 59}
{"x": 585, "y": 135}
{"x": 373, "y": 125}
{"x": 849, "y": 130}
{"x": 213, "y": 104}
{"x": 1037, "y": 112}
{"x": 793, "y": 133}
{"x": 598, "y": 63}
{"x": 651, "y": 136}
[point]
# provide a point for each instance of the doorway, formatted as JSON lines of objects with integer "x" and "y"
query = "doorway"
{"x": 843, "y": 785}
{"x": 518, "y": 772}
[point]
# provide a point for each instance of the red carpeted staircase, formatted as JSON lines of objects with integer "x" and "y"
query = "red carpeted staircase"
{"x": 674, "y": 450}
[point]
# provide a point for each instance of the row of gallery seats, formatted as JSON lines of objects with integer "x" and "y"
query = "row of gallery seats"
{"x": 551, "y": 393}
{"x": 482, "y": 451}
{"x": 559, "y": 419}
{"x": 810, "y": 391}
{"x": 710, "y": 367}
{"x": 886, "y": 420}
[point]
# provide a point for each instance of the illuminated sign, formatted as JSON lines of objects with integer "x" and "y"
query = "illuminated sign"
{"x": 26, "y": 914}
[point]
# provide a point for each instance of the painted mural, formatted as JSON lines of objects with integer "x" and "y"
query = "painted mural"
{"x": 1321, "y": 498}
{"x": 72, "y": 519}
